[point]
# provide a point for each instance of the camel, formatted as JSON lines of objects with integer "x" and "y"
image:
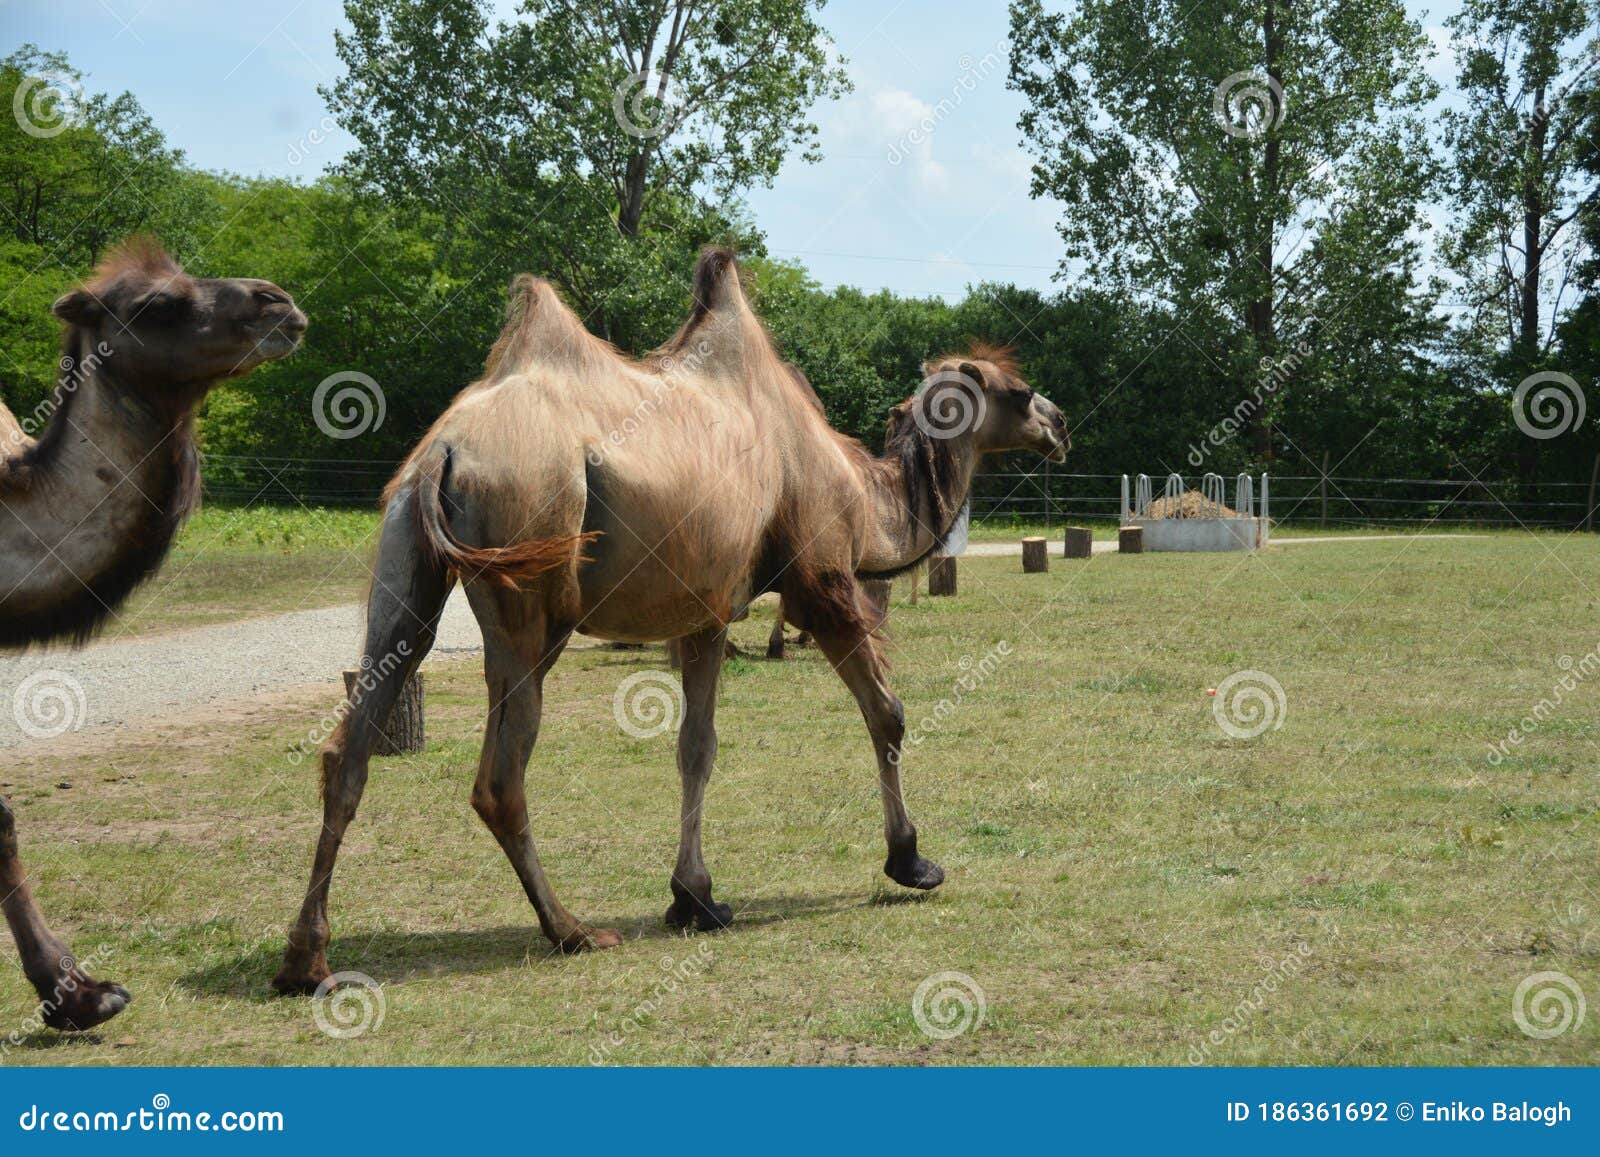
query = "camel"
{"x": 89, "y": 510}
{"x": 731, "y": 485}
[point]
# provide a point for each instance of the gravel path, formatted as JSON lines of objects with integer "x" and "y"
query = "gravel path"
{"x": 44, "y": 694}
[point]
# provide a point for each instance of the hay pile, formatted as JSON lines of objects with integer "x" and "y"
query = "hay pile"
{"x": 1189, "y": 504}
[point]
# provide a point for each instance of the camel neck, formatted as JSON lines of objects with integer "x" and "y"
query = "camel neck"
{"x": 923, "y": 482}
{"x": 89, "y": 511}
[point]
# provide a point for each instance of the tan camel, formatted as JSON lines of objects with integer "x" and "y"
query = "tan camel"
{"x": 88, "y": 511}
{"x": 726, "y": 485}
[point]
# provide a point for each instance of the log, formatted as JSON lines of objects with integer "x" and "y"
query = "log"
{"x": 1079, "y": 543}
{"x": 403, "y": 733}
{"x": 1130, "y": 540}
{"x": 942, "y": 576}
{"x": 1035, "y": 556}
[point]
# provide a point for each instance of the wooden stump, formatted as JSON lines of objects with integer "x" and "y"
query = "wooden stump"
{"x": 1130, "y": 540}
{"x": 1079, "y": 543}
{"x": 1035, "y": 556}
{"x": 942, "y": 576}
{"x": 403, "y": 732}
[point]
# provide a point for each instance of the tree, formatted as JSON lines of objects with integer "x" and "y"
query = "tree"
{"x": 600, "y": 141}
{"x": 1258, "y": 167}
{"x": 1528, "y": 71}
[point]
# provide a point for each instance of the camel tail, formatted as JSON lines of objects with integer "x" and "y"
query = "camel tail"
{"x": 508, "y": 566}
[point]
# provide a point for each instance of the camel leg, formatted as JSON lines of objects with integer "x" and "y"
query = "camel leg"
{"x": 408, "y": 596}
{"x": 72, "y": 999}
{"x": 692, "y": 905}
{"x": 516, "y": 660}
{"x": 855, "y": 658}
{"x": 775, "y": 641}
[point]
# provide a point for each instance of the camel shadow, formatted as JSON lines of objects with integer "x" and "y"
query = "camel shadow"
{"x": 391, "y": 957}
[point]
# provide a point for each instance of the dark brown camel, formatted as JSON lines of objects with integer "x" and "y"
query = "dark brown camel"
{"x": 88, "y": 511}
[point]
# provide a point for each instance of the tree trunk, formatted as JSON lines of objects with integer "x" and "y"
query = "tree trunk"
{"x": 631, "y": 210}
{"x": 403, "y": 732}
{"x": 1035, "y": 556}
{"x": 1526, "y": 355}
{"x": 942, "y": 576}
{"x": 1079, "y": 543}
{"x": 1130, "y": 540}
{"x": 1259, "y": 315}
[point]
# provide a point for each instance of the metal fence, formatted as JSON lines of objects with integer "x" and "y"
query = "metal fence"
{"x": 1034, "y": 496}
{"x": 1052, "y": 497}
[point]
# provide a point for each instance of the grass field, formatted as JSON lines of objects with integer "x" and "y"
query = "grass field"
{"x": 1127, "y": 883}
{"x": 230, "y": 564}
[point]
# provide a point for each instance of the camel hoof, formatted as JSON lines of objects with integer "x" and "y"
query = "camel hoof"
{"x": 586, "y": 939}
{"x": 298, "y": 978}
{"x": 92, "y": 1002}
{"x": 699, "y": 915}
{"x": 914, "y": 872}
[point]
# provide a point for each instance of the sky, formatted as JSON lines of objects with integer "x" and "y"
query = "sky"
{"x": 233, "y": 83}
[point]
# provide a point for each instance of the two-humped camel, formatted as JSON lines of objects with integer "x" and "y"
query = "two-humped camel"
{"x": 727, "y": 485}
{"x": 88, "y": 511}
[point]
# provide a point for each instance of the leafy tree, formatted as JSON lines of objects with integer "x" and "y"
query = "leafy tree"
{"x": 1529, "y": 71}
{"x": 582, "y": 141}
{"x": 1257, "y": 167}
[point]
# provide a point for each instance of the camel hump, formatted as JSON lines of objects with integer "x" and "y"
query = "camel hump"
{"x": 539, "y": 328}
{"x": 716, "y": 280}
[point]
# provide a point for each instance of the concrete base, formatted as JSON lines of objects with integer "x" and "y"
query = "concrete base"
{"x": 1190, "y": 534}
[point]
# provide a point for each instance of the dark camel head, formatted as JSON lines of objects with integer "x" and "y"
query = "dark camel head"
{"x": 983, "y": 394}
{"x": 171, "y": 335}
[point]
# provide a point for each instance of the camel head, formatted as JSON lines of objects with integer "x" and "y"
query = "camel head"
{"x": 982, "y": 394}
{"x": 172, "y": 336}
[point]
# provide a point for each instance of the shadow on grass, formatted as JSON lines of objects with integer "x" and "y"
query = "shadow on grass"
{"x": 391, "y": 957}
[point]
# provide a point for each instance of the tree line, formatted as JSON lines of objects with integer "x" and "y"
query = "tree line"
{"x": 1276, "y": 251}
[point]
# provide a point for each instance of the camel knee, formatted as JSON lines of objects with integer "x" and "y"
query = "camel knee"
{"x": 501, "y": 807}
{"x": 887, "y": 720}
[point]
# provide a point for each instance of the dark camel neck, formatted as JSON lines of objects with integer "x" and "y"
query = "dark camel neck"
{"x": 90, "y": 510}
{"x": 921, "y": 485}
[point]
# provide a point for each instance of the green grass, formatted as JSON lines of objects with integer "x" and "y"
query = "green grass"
{"x": 229, "y": 564}
{"x": 1126, "y": 883}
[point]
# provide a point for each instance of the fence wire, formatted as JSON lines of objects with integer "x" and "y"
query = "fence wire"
{"x": 1031, "y": 496}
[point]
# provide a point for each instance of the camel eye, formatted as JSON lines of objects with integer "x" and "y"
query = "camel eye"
{"x": 160, "y": 307}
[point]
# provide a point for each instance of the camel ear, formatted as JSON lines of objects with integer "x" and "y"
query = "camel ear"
{"x": 971, "y": 373}
{"x": 78, "y": 308}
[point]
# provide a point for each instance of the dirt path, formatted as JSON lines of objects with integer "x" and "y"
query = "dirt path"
{"x": 193, "y": 673}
